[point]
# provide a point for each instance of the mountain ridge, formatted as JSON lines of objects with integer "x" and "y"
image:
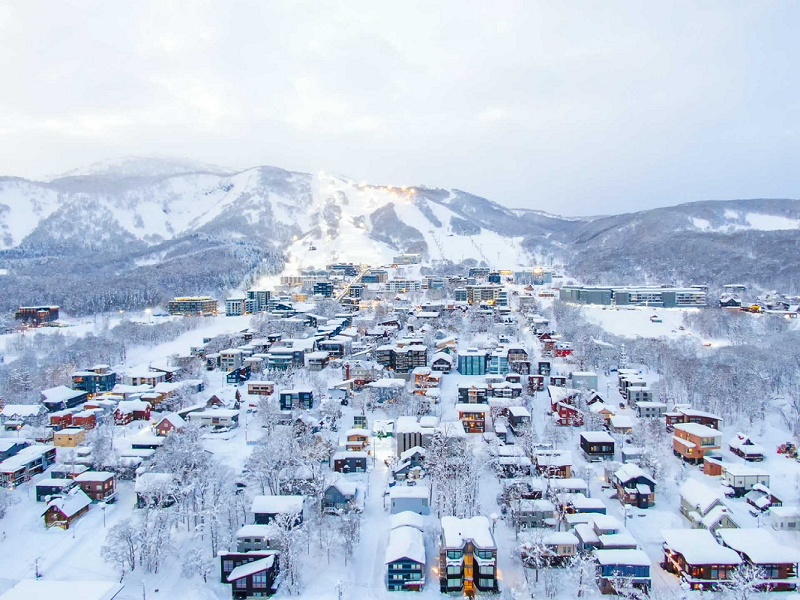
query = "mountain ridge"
{"x": 129, "y": 218}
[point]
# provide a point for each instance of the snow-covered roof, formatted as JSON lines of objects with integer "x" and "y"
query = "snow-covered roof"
{"x": 623, "y": 539}
{"x": 554, "y": 458}
{"x": 412, "y": 451}
{"x": 94, "y": 476}
{"x": 569, "y": 484}
{"x": 561, "y": 538}
{"x": 581, "y": 502}
{"x": 387, "y": 382}
{"x": 699, "y": 547}
{"x": 22, "y": 410}
{"x": 622, "y": 557}
{"x": 456, "y": 531}
{"x": 698, "y": 430}
{"x": 585, "y": 531}
{"x": 175, "y": 419}
{"x": 407, "y": 518}
{"x": 255, "y": 531}
{"x": 785, "y": 512}
{"x": 699, "y": 496}
{"x": 57, "y": 483}
{"x": 759, "y": 546}
{"x": 736, "y": 470}
{"x": 251, "y": 568}
{"x": 693, "y": 412}
{"x": 349, "y": 454}
{"x": 357, "y": 432}
{"x": 41, "y": 589}
{"x": 541, "y": 505}
{"x": 597, "y": 437}
{"x": 621, "y": 422}
{"x": 129, "y": 406}
{"x": 22, "y": 458}
{"x": 442, "y": 356}
{"x": 519, "y": 411}
{"x": 272, "y": 505}
{"x": 71, "y": 504}
{"x": 632, "y": 471}
{"x": 405, "y": 491}
{"x": 559, "y": 394}
{"x": 346, "y": 488}
{"x": 61, "y": 393}
{"x": 405, "y": 542}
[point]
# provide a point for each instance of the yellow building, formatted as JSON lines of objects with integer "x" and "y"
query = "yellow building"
{"x": 69, "y": 437}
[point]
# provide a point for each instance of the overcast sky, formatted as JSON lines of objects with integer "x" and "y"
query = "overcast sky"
{"x": 575, "y": 108}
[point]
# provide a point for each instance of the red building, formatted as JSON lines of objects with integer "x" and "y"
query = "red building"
{"x": 568, "y": 415}
{"x": 86, "y": 419}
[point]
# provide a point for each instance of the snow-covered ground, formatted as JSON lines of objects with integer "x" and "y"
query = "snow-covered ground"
{"x": 636, "y": 321}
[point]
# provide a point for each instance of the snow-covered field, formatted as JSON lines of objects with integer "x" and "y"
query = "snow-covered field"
{"x": 634, "y": 322}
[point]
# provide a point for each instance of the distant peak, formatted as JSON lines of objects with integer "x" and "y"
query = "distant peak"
{"x": 144, "y": 166}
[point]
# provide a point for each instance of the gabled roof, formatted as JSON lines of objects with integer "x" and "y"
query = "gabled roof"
{"x": 698, "y": 547}
{"x": 699, "y": 496}
{"x": 71, "y": 504}
{"x": 175, "y": 419}
{"x": 277, "y": 504}
{"x": 251, "y": 568}
{"x": 631, "y": 471}
{"x": 407, "y": 518}
{"x": 405, "y": 542}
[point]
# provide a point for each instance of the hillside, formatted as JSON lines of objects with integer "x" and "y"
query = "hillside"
{"x": 136, "y": 230}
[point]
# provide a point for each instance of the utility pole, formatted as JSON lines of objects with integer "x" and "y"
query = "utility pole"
{"x": 38, "y": 575}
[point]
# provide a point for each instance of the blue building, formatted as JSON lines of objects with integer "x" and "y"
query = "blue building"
{"x": 461, "y": 294}
{"x": 498, "y": 362}
{"x": 472, "y": 362}
{"x": 632, "y": 566}
{"x": 95, "y": 380}
{"x": 323, "y": 288}
{"x": 405, "y": 559}
{"x": 494, "y": 277}
{"x": 297, "y": 398}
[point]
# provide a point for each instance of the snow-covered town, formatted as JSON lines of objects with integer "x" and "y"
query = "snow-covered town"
{"x": 375, "y": 300}
{"x": 366, "y": 430}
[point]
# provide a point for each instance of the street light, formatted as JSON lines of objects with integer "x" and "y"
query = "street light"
{"x": 149, "y": 312}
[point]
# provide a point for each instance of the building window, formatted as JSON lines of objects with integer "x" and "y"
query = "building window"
{"x": 451, "y": 570}
{"x": 227, "y": 566}
{"x": 241, "y": 583}
{"x": 260, "y": 580}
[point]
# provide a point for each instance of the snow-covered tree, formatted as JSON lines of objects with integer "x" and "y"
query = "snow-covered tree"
{"x": 122, "y": 545}
{"x": 743, "y": 582}
{"x": 290, "y": 539}
{"x": 7, "y": 500}
{"x": 197, "y": 562}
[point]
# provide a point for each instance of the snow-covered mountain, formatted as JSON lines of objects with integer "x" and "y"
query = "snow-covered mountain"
{"x": 145, "y": 202}
{"x": 140, "y": 228}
